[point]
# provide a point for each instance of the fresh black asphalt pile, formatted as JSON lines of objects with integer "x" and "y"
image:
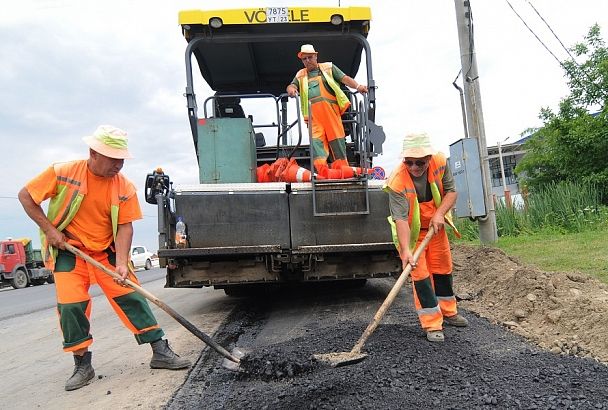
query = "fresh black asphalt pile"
{"x": 483, "y": 366}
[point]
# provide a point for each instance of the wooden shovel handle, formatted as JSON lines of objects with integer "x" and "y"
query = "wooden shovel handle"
{"x": 392, "y": 294}
{"x": 193, "y": 329}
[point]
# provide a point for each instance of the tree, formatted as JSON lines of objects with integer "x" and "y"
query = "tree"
{"x": 572, "y": 144}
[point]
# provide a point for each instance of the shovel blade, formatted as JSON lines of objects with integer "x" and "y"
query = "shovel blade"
{"x": 340, "y": 359}
{"x": 239, "y": 353}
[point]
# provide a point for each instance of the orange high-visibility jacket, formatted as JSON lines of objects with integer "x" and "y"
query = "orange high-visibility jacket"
{"x": 71, "y": 189}
{"x": 401, "y": 182}
{"x": 326, "y": 70}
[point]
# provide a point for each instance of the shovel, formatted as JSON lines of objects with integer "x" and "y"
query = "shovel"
{"x": 182, "y": 321}
{"x": 355, "y": 356}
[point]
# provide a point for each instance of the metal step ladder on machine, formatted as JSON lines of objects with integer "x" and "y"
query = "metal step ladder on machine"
{"x": 333, "y": 197}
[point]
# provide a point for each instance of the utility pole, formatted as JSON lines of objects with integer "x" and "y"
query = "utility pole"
{"x": 474, "y": 114}
{"x": 502, "y": 173}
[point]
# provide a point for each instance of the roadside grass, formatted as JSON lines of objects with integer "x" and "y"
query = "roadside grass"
{"x": 563, "y": 227}
{"x": 582, "y": 251}
{"x": 586, "y": 252}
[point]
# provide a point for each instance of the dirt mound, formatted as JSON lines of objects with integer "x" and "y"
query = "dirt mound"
{"x": 565, "y": 312}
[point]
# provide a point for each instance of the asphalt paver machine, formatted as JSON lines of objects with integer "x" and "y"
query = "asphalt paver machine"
{"x": 242, "y": 232}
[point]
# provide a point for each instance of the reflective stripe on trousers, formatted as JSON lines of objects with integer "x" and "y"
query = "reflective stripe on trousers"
{"x": 328, "y": 136}
{"x": 432, "y": 279}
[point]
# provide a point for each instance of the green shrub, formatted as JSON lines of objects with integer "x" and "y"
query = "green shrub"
{"x": 563, "y": 207}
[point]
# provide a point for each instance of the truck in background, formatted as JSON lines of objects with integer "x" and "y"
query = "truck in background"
{"x": 21, "y": 265}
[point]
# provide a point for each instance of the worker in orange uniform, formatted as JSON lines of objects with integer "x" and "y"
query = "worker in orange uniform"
{"x": 92, "y": 207}
{"x": 421, "y": 194}
{"x": 319, "y": 83}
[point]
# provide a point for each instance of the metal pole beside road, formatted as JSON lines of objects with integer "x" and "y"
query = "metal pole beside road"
{"x": 504, "y": 180}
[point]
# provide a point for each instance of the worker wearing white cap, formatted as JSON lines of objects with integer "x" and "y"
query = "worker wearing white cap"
{"x": 319, "y": 83}
{"x": 421, "y": 195}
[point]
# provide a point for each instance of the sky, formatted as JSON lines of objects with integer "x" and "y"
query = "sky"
{"x": 67, "y": 66}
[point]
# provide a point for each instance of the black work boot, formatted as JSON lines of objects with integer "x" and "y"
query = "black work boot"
{"x": 83, "y": 372}
{"x": 165, "y": 358}
{"x": 456, "y": 320}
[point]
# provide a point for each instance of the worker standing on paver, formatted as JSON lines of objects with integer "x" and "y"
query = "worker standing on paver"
{"x": 319, "y": 83}
{"x": 421, "y": 194}
{"x": 92, "y": 207}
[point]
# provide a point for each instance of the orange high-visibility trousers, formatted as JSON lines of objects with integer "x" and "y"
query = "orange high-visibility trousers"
{"x": 73, "y": 277}
{"x": 328, "y": 136}
{"x": 432, "y": 278}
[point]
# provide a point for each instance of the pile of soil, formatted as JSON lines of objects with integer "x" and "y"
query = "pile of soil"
{"x": 564, "y": 312}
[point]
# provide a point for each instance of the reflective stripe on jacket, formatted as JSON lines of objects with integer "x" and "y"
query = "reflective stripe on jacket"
{"x": 401, "y": 182}
{"x": 71, "y": 189}
{"x": 326, "y": 70}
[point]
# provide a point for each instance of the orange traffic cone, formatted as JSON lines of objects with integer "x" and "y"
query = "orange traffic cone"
{"x": 285, "y": 171}
{"x": 295, "y": 173}
{"x": 321, "y": 168}
{"x": 351, "y": 172}
{"x": 263, "y": 173}
{"x": 339, "y": 163}
{"x": 334, "y": 173}
{"x": 278, "y": 167}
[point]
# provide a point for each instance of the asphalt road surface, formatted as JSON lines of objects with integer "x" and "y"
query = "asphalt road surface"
{"x": 482, "y": 366}
{"x": 14, "y": 302}
{"x": 34, "y": 368}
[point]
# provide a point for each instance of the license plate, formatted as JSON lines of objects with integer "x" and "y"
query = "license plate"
{"x": 277, "y": 15}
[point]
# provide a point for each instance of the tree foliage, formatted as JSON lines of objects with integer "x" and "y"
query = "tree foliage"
{"x": 572, "y": 144}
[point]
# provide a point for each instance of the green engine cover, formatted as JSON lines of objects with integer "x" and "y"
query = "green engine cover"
{"x": 226, "y": 151}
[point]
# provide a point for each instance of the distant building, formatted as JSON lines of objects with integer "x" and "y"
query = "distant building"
{"x": 512, "y": 154}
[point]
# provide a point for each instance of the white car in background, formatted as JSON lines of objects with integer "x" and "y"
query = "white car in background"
{"x": 142, "y": 258}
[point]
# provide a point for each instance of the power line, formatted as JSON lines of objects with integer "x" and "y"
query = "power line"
{"x": 553, "y": 32}
{"x": 566, "y": 68}
{"x": 534, "y": 34}
{"x": 584, "y": 71}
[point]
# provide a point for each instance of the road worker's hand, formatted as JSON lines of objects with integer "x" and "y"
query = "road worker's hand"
{"x": 55, "y": 238}
{"x": 123, "y": 271}
{"x": 292, "y": 91}
{"x": 406, "y": 258}
{"x": 362, "y": 89}
{"x": 437, "y": 222}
